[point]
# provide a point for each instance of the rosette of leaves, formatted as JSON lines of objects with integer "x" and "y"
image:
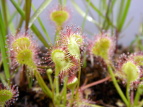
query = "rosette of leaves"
{"x": 65, "y": 66}
{"x": 23, "y": 51}
{"x": 68, "y": 54}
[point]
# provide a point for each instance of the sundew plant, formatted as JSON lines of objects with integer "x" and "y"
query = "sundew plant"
{"x": 71, "y": 70}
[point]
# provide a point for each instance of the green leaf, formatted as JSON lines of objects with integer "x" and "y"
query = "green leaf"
{"x": 84, "y": 20}
{"x": 39, "y": 11}
{"x": 123, "y": 18}
{"x": 3, "y": 47}
{"x": 120, "y": 11}
{"x": 33, "y": 27}
{"x": 42, "y": 84}
{"x": 10, "y": 19}
{"x": 20, "y": 11}
{"x": 83, "y": 14}
{"x": 64, "y": 2}
{"x": 39, "y": 35}
{"x": 27, "y": 13}
{"x": 42, "y": 26}
{"x": 4, "y": 13}
{"x": 95, "y": 8}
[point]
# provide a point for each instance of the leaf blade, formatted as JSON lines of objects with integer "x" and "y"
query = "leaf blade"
{"x": 38, "y": 11}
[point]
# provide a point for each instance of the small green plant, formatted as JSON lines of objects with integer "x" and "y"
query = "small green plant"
{"x": 23, "y": 50}
{"x": 129, "y": 68}
{"x": 129, "y": 72}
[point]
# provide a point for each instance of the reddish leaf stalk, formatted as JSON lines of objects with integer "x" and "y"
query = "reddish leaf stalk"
{"x": 95, "y": 83}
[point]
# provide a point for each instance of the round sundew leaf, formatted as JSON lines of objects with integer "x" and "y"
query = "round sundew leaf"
{"x": 62, "y": 62}
{"x": 131, "y": 71}
{"x": 59, "y": 58}
{"x": 78, "y": 38}
{"x": 21, "y": 43}
{"x": 74, "y": 44}
{"x": 72, "y": 82}
{"x": 26, "y": 57}
{"x": 74, "y": 50}
{"x": 101, "y": 48}
{"x": 5, "y": 95}
{"x": 59, "y": 17}
{"x": 138, "y": 60}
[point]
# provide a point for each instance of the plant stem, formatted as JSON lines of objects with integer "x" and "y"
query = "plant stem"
{"x": 42, "y": 84}
{"x": 95, "y": 83}
{"x": 79, "y": 75}
{"x": 128, "y": 92}
{"x": 117, "y": 86}
{"x": 2, "y": 79}
{"x": 56, "y": 80}
{"x": 50, "y": 80}
{"x": 72, "y": 98}
{"x": 132, "y": 97}
{"x": 64, "y": 91}
{"x": 137, "y": 96}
